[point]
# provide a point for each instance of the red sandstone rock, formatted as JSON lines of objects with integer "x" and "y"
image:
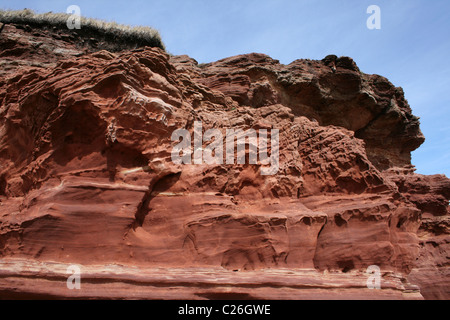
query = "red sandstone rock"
{"x": 86, "y": 176}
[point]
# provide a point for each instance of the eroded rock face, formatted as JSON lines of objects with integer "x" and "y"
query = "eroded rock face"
{"x": 86, "y": 174}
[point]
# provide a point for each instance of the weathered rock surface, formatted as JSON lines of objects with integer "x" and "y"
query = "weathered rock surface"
{"x": 86, "y": 178}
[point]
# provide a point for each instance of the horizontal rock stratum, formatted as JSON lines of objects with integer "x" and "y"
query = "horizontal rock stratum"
{"x": 87, "y": 178}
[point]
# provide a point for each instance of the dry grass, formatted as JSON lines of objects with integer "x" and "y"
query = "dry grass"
{"x": 118, "y": 32}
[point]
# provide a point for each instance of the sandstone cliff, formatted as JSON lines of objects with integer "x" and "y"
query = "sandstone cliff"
{"x": 86, "y": 178}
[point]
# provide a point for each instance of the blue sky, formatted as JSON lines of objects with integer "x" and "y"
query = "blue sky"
{"x": 412, "y": 48}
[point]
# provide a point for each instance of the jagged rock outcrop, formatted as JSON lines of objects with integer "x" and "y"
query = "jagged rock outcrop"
{"x": 86, "y": 176}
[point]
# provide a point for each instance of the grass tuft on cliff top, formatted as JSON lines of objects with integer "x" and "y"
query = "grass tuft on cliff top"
{"x": 139, "y": 35}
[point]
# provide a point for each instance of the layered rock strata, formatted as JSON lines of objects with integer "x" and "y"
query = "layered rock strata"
{"x": 87, "y": 178}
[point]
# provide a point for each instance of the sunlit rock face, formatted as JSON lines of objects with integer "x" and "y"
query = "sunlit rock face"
{"x": 87, "y": 177}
